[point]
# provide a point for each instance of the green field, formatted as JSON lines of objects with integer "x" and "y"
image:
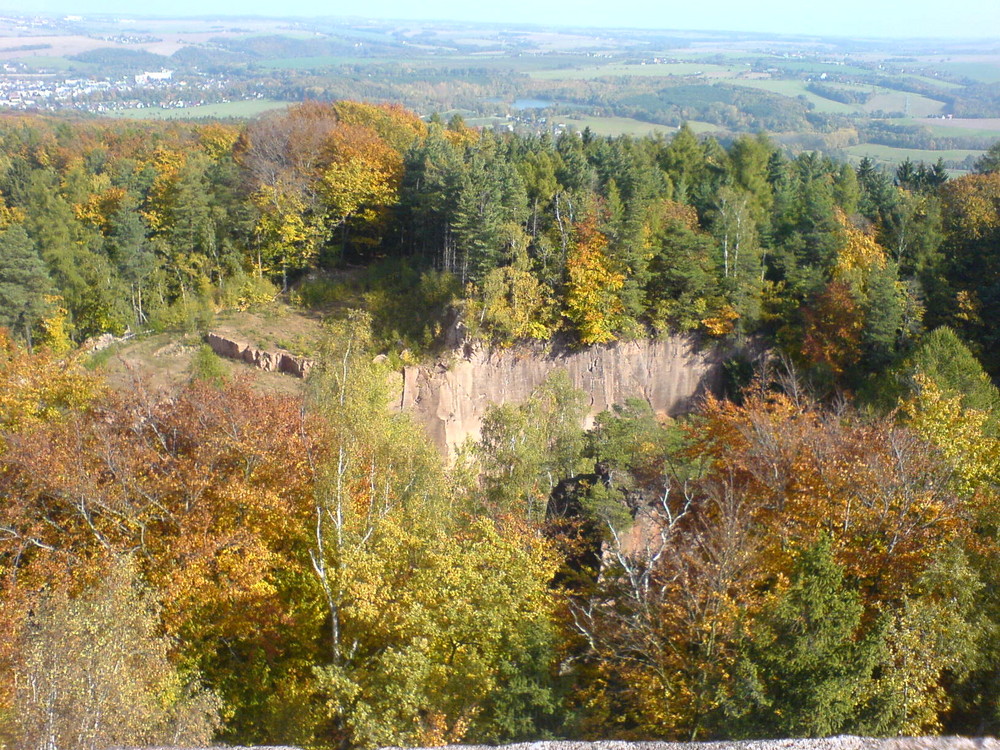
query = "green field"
{"x": 940, "y": 128}
{"x": 934, "y": 81}
{"x": 894, "y": 155}
{"x": 914, "y": 105}
{"x": 702, "y": 54}
{"x": 227, "y": 109}
{"x": 987, "y": 72}
{"x": 794, "y": 88}
{"x": 55, "y": 63}
{"x": 805, "y": 66}
{"x": 652, "y": 70}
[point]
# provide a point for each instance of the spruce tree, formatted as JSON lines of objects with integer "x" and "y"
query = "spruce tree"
{"x": 24, "y": 283}
{"x": 805, "y": 672}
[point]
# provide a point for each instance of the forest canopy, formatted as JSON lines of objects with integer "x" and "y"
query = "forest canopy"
{"x": 813, "y": 552}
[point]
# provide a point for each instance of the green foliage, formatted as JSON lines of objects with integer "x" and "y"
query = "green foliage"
{"x": 439, "y": 623}
{"x": 944, "y": 358}
{"x": 24, "y": 284}
{"x": 934, "y": 638}
{"x": 427, "y": 612}
{"x": 515, "y": 306}
{"x": 208, "y": 366}
{"x": 243, "y": 291}
{"x": 339, "y": 585}
{"x": 806, "y": 670}
{"x": 192, "y": 313}
{"x": 525, "y": 450}
{"x": 990, "y": 161}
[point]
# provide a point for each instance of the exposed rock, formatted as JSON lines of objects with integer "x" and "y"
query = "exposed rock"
{"x": 450, "y": 398}
{"x": 243, "y": 351}
{"x": 173, "y": 349}
{"x": 99, "y": 343}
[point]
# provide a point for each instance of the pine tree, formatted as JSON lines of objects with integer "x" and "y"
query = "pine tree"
{"x": 24, "y": 283}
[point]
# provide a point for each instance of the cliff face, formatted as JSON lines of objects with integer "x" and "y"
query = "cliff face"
{"x": 450, "y": 399}
{"x": 276, "y": 361}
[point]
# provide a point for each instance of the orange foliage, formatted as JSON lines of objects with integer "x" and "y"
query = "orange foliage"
{"x": 881, "y": 491}
{"x": 667, "y": 212}
{"x": 833, "y": 326}
{"x": 396, "y": 125}
{"x": 213, "y": 487}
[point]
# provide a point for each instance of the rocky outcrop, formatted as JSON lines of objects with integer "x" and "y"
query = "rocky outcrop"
{"x": 96, "y": 344}
{"x": 450, "y": 398}
{"x": 262, "y": 359}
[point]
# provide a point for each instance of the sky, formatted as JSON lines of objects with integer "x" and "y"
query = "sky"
{"x": 852, "y": 18}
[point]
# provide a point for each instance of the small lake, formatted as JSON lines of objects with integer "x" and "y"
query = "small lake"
{"x": 531, "y": 104}
{"x": 525, "y": 103}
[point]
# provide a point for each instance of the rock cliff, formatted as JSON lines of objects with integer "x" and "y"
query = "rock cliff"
{"x": 450, "y": 398}
{"x": 277, "y": 361}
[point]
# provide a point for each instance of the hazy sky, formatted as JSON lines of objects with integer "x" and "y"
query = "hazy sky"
{"x": 855, "y": 18}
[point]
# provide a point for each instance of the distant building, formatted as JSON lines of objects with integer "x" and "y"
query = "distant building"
{"x": 149, "y": 76}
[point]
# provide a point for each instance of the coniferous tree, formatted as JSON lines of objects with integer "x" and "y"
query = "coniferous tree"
{"x": 806, "y": 671}
{"x": 24, "y": 283}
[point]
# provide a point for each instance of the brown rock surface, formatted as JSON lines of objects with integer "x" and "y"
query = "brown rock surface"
{"x": 268, "y": 361}
{"x": 450, "y": 398}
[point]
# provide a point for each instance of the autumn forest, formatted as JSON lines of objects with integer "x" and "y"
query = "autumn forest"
{"x": 814, "y": 550}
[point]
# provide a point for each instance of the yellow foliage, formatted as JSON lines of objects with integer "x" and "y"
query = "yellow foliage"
{"x": 860, "y": 251}
{"x": 462, "y": 138}
{"x": 515, "y": 304}
{"x": 396, "y": 125}
{"x": 287, "y": 237}
{"x": 168, "y": 164}
{"x": 592, "y": 302}
{"x": 959, "y": 434}
{"x": 9, "y": 214}
{"x": 968, "y": 306}
{"x": 723, "y": 323}
{"x": 217, "y": 140}
{"x": 97, "y": 209}
{"x": 363, "y": 175}
{"x": 37, "y": 388}
{"x": 54, "y": 335}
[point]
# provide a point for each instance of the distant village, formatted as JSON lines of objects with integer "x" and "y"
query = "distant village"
{"x": 23, "y": 90}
